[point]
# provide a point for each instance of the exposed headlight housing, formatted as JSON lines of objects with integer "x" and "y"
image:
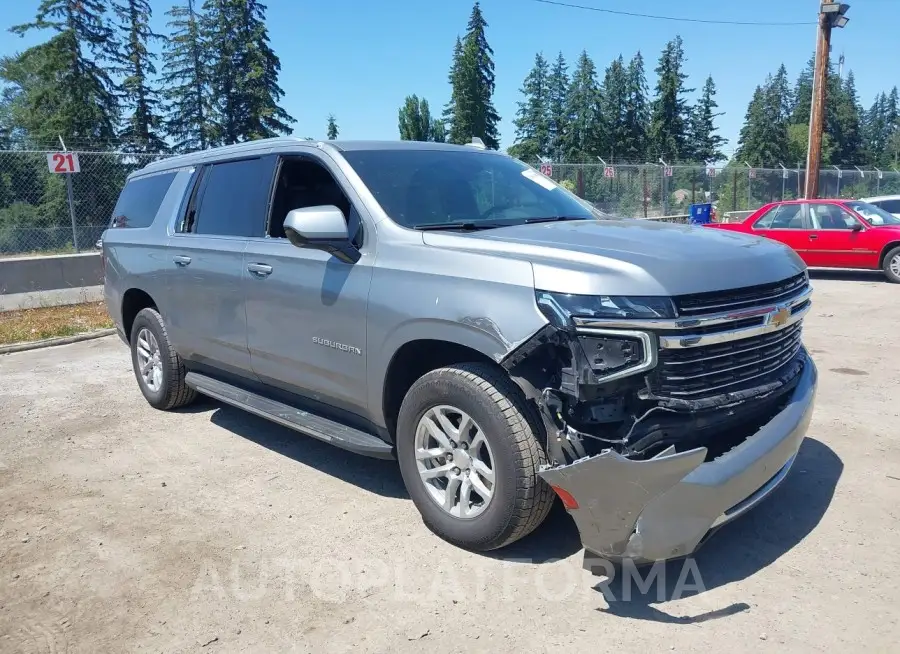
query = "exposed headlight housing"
{"x": 561, "y": 307}
{"x": 610, "y": 354}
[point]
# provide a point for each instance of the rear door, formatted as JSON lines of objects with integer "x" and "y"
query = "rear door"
{"x": 208, "y": 321}
{"x": 840, "y": 239}
{"x": 788, "y": 223}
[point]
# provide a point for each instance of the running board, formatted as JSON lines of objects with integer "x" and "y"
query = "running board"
{"x": 326, "y": 430}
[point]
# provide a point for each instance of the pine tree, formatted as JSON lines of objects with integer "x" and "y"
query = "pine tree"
{"x": 415, "y": 121}
{"x": 557, "y": 119}
{"x": 136, "y": 64}
{"x": 63, "y": 86}
{"x": 533, "y": 117}
{"x": 185, "y": 80}
{"x": 472, "y": 112}
{"x": 637, "y": 112}
{"x": 764, "y": 136}
{"x": 244, "y": 72}
{"x": 613, "y": 109}
{"x": 331, "y": 130}
{"x": 670, "y": 113}
{"x": 455, "y": 112}
{"x": 849, "y": 147}
{"x": 782, "y": 89}
{"x": 705, "y": 142}
{"x": 803, "y": 93}
{"x": 583, "y": 135}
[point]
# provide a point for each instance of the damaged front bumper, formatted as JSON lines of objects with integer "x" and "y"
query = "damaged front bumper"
{"x": 665, "y": 507}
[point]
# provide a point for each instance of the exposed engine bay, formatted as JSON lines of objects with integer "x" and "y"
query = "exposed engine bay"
{"x": 574, "y": 377}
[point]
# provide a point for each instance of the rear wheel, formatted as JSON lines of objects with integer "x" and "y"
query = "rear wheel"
{"x": 159, "y": 370}
{"x": 892, "y": 265}
{"x": 469, "y": 456}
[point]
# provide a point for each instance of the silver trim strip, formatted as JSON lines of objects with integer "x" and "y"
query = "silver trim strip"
{"x": 764, "y": 491}
{"x": 795, "y": 334}
{"x": 650, "y": 352}
{"x": 692, "y": 321}
{"x": 753, "y": 301}
{"x": 698, "y": 340}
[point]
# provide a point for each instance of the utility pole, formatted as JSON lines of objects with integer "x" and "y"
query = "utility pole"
{"x": 831, "y": 14}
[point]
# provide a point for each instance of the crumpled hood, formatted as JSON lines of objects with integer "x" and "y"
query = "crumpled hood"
{"x": 631, "y": 257}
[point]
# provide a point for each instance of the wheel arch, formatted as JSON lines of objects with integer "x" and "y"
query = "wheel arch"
{"x": 884, "y": 251}
{"x": 415, "y": 358}
{"x": 133, "y": 301}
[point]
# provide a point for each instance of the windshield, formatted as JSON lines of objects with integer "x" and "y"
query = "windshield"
{"x": 446, "y": 189}
{"x": 875, "y": 216}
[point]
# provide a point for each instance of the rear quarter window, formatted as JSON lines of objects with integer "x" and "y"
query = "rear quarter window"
{"x": 140, "y": 200}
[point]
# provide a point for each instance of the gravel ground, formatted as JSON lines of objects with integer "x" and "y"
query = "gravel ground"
{"x": 123, "y": 528}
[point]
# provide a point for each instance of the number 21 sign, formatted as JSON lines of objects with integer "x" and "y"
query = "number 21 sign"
{"x": 63, "y": 162}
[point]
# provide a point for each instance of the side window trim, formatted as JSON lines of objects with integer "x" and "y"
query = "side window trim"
{"x": 186, "y": 220}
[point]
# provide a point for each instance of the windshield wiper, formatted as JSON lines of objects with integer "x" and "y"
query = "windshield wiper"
{"x": 553, "y": 219}
{"x": 466, "y": 227}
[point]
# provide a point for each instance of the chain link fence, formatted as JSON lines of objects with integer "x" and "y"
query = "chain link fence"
{"x": 666, "y": 192}
{"x": 37, "y": 215}
{"x": 37, "y": 212}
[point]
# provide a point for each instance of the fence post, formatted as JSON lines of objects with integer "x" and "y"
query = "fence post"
{"x": 71, "y": 199}
{"x": 72, "y": 210}
{"x": 646, "y": 190}
{"x": 579, "y": 182}
{"x": 734, "y": 190}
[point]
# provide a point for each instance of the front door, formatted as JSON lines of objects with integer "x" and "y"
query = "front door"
{"x": 840, "y": 239}
{"x": 788, "y": 224}
{"x": 207, "y": 320}
{"x": 306, "y": 310}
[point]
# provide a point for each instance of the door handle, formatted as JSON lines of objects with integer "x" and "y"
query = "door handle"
{"x": 813, "y": 237}
{"x": 259, "y": 269}
{"x": 181, "y": 260}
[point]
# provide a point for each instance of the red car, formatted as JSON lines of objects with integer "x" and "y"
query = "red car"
{"x": 830, "y": 233}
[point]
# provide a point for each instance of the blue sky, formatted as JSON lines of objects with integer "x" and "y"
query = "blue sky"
{"x": 358, "y": 59}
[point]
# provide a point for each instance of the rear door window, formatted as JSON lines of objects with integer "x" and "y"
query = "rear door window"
{"x": 891, "y": 206}
{"x": 140, "y": 200}
{"x": 234, "y": 200}
{"x": 783, "y": 216}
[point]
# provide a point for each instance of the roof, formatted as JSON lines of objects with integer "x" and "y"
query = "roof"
{"x": 264, "y": 146}
{"x": 879, "y": 198}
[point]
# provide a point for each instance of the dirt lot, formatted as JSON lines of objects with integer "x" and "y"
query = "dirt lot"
{"x": 123, "y": 529}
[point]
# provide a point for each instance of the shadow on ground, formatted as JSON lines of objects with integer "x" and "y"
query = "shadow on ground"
{"x": 372, "y": 475}
{"x": 735, "y": 552}
{"x": 848, "y": 275}
{"x": 741, "y": 548}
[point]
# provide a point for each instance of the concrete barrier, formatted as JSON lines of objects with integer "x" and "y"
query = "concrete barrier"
{"x": 27, "y": 282}
{"x": 30, "y": 274}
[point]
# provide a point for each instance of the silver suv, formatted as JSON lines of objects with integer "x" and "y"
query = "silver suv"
{"x": 454, "y": 309}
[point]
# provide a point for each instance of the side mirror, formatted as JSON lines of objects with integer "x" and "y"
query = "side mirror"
{"x": 321, "y": 228}
{"x": 856, "y": 227}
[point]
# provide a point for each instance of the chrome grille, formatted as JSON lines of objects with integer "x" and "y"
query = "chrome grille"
{"x": 742, "y": 298}
{"x": 718, "y": 368}
{"x": 723, "y": 341}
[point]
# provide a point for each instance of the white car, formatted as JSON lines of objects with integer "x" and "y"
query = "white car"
{"x": 890, "y": 203}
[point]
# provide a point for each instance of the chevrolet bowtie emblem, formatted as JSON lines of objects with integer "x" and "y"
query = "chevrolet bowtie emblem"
{"x": 779, "y": 317}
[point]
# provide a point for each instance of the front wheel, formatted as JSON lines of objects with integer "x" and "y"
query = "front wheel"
{"x": 892, "y": 265}
{"x": 469, "y": 456}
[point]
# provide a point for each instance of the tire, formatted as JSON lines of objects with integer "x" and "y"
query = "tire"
{"x": 891, "y": 266}
{"x": 520, "y": 498}
{"x": 170, "y": 391}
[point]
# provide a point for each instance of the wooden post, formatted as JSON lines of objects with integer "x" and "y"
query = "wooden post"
{"x": 817, "y": 113}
